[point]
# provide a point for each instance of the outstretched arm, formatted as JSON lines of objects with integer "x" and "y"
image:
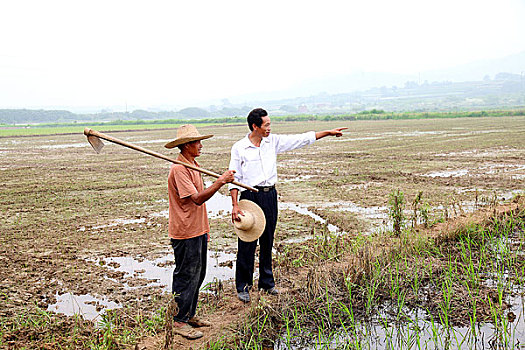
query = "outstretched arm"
{"x": 337, "y": 132}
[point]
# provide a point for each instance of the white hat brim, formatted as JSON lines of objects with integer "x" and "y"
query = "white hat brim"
{"x": 259, "y": 224}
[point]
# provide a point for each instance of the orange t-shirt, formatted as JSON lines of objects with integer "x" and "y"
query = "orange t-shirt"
{"x": 186, "y": 219}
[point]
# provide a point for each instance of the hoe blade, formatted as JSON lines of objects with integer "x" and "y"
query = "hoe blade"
{"x": 96, "y": 143}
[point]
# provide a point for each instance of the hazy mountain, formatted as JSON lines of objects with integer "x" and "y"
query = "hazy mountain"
{"x": 477, "y": 70}
{"x": 360, "y": 81}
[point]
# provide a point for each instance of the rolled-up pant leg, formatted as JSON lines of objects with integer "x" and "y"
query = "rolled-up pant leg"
{"x": 190, "y": 269}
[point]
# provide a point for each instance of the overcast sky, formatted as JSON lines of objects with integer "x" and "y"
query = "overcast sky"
{"x": 97, "y": 54}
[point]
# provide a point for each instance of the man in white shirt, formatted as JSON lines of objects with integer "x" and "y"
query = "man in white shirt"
{"x": 254, "y": 159}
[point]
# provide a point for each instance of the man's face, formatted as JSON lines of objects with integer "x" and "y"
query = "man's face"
{"x": 264, "y": 130}
{"x": 194, "y": 148}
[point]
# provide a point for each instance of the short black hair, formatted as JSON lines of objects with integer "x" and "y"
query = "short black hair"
{"x": 255, "y": 117}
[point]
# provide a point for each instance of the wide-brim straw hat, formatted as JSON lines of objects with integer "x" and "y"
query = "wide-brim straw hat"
{"x": 252, "y": 223}
{"x": 186, "y": 133}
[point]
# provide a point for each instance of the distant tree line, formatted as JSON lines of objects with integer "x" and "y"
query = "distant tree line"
{"x": 21, "y": 116}
{"x": 29, "y": 116}
{"x": 373, "y": 114}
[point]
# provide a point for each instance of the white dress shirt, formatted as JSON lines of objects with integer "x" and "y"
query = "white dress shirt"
{"x": 257, "y": 166}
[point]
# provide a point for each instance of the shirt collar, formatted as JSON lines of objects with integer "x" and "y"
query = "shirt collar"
{"x": 246, "y": 143}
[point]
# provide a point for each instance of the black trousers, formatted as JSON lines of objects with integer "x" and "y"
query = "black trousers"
{"x": 190, "y": 269}
{"x": 246, "y": 250}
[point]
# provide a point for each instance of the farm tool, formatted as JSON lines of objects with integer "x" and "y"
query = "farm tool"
{"x": 94, "y": 138}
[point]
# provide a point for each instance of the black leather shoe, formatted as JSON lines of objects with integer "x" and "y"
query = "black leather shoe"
{"x": 244, "y": 297}
{"x": 272, "y": 291}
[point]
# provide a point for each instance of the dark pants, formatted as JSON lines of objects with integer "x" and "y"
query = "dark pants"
{"x": 246, "y": 250}
{"x": 190, "y": 269}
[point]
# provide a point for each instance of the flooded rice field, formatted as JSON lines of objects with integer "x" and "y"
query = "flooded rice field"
{"x": 85, "y": 233}
{"x": 487, "y": 314}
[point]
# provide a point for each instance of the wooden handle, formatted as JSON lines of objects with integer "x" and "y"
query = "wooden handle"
{"x": 91, "y": 132}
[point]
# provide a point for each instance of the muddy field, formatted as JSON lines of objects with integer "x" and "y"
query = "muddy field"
{"x": 82, "y": 232}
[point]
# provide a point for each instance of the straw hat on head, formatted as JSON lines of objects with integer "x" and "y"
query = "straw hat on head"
{"x": 252, "y": 223}
{"x": 186, "y": 133}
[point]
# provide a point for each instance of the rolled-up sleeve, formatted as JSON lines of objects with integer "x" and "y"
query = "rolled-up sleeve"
{"x": 183, "y": 181}
{"x": 290, "y": 142}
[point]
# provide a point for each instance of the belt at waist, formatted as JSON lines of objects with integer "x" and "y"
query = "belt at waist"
{"x": 265, "y": 188}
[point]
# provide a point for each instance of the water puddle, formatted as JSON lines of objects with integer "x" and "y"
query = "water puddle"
{"x": 379, "y": 136}
{"x": 378, "y": 213}
{"x": 392, "y": 328}
{"x": 88, "y": 306}
{"x": 117, "y": 222}
{"x": 159, "y": 271}
{"x": 479, "y": 153}
{"x": 12, "y": 142}
{"x": 297, "y": 178}
{"x": 69, "y": 145}
{"x": 304, "y": 211}
{"x": 220, "y": 205}
{"x": 421, "y": 133}
{"x": 510, "y": 194}
{"x": 375, "y": 216}
{"x": 453, "y": 154}
{"x": 362, "y": 186}
{"x": 151, "y": 141}
{"x": 350, "y": 139}
{"x": 448, "y": 173}
{"x": 502, "y": 168}
{"x": 432, "y": 335}
{"x": 217, "y": 206}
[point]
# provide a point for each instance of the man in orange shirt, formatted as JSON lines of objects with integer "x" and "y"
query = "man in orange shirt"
{"x": 189, "y": 228}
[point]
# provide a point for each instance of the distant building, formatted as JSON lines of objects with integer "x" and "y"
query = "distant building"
{"x": 303, "y": 108}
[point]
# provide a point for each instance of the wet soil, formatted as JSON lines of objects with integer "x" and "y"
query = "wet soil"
{"x": 60, "y": 202}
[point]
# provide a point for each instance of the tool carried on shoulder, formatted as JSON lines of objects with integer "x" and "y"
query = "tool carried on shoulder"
{"x": 94, "y": 137}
